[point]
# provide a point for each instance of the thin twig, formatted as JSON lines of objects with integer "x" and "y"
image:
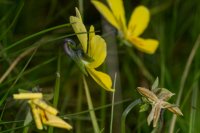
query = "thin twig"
{"x": 183, "y": 79}
{"x": 21, "y": 56}
{"x": 15, "y": 62}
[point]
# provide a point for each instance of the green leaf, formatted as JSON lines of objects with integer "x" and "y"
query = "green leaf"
{"x": 144, "y": 107}
{"x": 155, "y": 84}
{"x": 28, "y": 118}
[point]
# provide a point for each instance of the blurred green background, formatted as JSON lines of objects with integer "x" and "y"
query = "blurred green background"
{"x": 27, "y": 26}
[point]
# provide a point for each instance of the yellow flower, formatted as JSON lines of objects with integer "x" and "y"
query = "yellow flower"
{"x": 94, "y": 47}
{"x": 42, "y": 112}
{"x": 157, "y": 97}
{"x": 138, "y": 22}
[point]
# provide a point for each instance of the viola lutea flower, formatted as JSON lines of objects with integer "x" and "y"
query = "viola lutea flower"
{"x": 42, "y": 112}
{"x": 138, "y": 22}
{"x": 158, "y": 97}
{"x": 92, "y": 53}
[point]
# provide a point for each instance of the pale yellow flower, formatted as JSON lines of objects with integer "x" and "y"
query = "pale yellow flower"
{"x": 42, "y": 112}
{"x": 138, "y": 22}
{"x": 93, "y": 46}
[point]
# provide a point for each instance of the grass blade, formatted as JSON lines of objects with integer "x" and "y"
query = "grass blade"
{"x": 126, "y": 112}
{"x": 193, "y": 108}
{"x": 112, "y": 107}
{"x": 183, "y": 79}
{"x": 57, "y": 87}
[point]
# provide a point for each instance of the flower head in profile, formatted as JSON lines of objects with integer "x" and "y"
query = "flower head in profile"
{"x": 43, "y": 113}
{"x": 158, "y": 97}
{"x": 91, "y": 52}
{"x": 138, "y": 22}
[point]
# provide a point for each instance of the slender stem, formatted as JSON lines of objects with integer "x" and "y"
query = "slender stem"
{"x": 140, "y": 64}
{"x": 97, "y": 108}
{"x": 15, "y": 62}
{"x": 20, "y": 57}
{"x": 91, "y": 108}
{"x": 183, "y": 79}
{"x": 12, "y": 129}
{"x": 103, "y": 102}
{"x": 21, "y": 5}
{"x": 126, "y": 112}
{"x": 103, "y": 111}
{"x": 79, "y": 107}
{"x": 193, "y": 114}
{"x": 81, "y": 7}
{"x": 33, "y": 35}
{"x": 57, "y": 87}
{"x": 113, "y": 101}
{"x": 18, "y": 77}
{"x": 26, "y": 129}
{"x": 113, "y": 67}
{"x": 57, "y": 84}
{"x": 162, "y": 7}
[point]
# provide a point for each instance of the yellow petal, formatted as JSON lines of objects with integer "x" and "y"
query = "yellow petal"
{"x": 101, "y": 78}
{"x": 91, "y": 33}
{"x": 117, "y": 8}
{"x": 78, "y": 13}
{"x": 55, "y": 121}
{"x": 80, "y": 30}
{"x": 148, "y": 46}
{"x": 27, "y": 96}
{"x": 36, "y": 115}
{"x": 43, "y": 116}
{"x": 44, "y": 106}
{"x": 139, "y": 21}
{"x": 97, "y": 51}
{"x": 106, "y": 13}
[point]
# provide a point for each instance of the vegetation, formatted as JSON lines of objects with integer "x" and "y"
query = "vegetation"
{"x": 40, "y": 52}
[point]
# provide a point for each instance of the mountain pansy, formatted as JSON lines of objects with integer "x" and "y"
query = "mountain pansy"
{"x": 92, "y": 53}
{"x": 138, "y": 22}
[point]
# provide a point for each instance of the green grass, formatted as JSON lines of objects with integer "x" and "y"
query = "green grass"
{"x": 32, "y": 35}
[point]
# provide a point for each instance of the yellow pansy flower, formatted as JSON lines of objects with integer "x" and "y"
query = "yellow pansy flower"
{"x": 138, "y": 22}
{"x": 42, "y": 112}
{"x": 94, "y": 47}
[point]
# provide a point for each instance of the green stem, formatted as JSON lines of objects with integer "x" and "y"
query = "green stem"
{"x": 79, "y": 107}
{"x": 18, "y": 77}
{"x": 126, "y": 112}
{"x": 97, "y": 108}
{"x": 26, "y": 129}
{"x": 193, "y": 114}
{"x": 57, "y": 87}
{"x": 103, "y": 102}
{"x": 81, "y": 7}
{"x": 33, "y": 35}
{"x": 21, "y": 5}
{"x": 103, "y": 111}
{"x": 91, "y": 108}
{"x": 112, "y": 108}
{"x": 140, "y": 64}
